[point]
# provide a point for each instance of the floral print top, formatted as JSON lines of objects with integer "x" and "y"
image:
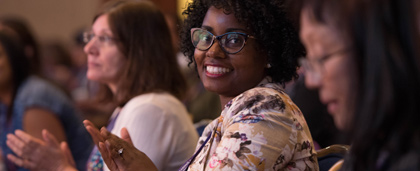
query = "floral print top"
{"x": 260, "y": 129}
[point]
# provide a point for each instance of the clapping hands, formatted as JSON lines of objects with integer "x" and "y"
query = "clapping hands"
{"x": 48, "y": 154}
{"x": 119, "y": 153}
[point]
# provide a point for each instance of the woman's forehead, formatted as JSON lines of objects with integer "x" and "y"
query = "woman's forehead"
{"x": 216, "y": 18}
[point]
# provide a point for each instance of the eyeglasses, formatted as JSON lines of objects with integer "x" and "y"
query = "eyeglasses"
{"x": 230, "y": 42}
{"x": 88, "y": 36}
{"x": 315, "y": 66}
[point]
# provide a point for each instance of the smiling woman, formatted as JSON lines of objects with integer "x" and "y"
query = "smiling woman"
{"x": 243, "y": 50}
{"x": 239, "y": 71}
{"x": 246, "y": 69}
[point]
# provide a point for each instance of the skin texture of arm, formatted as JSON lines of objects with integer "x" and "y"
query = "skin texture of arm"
{"x": 37, "y": 119}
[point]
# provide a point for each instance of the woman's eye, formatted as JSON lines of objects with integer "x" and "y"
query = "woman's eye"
{"x": 206, "y": 38}
{"x": 234, "y": 41}
{"x": 103, "y": 38}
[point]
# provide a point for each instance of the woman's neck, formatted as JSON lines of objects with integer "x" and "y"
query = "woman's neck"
{"x": 224, "y": 100}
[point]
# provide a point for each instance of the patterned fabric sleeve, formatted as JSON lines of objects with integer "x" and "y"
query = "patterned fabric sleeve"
{"x": 262, "y": 130}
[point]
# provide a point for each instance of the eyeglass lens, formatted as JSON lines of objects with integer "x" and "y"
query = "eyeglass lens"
{"x": 310, "y": 69}
{"x": 230, "y": 42}
{"x": 87, "y": 37}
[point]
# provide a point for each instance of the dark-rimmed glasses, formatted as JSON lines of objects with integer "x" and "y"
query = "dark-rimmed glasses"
{"x": 230, "y": 42}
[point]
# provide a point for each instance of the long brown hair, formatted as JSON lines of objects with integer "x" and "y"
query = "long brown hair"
{"x": 145, "y": 40}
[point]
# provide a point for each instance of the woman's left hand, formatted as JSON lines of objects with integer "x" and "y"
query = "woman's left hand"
{"x": 120, "y": 154}
{"x": 93, "y": 131}
{"x": 35, "y": 154}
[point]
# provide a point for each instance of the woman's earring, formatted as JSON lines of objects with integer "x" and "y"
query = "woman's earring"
{"x": 268, "y": 65}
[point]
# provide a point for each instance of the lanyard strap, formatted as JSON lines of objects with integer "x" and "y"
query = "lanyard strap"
{"x": 95, "y": 162}
{"x": 187, "y": 164}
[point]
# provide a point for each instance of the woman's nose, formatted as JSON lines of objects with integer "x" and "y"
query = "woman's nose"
{"x": 90, "y": 47}
{"x": 215, "y": 51}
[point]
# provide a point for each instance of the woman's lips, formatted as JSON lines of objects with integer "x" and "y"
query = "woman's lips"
{"x": 92, "y": 64}
{"x": 332, "y": 107}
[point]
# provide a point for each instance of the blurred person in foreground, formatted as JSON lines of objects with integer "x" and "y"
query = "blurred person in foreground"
{"x": 24, "y": 33}
{"x": 363, "y": 57}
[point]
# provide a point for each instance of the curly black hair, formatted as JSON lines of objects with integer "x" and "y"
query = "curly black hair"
{"x": 269, "y": 23}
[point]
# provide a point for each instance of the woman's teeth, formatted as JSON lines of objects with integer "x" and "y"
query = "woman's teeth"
{"x": 217, "y": 70}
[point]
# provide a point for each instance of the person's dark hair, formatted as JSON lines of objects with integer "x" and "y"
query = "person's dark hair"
{"x": 385, "y": 41}
{"x": 18, "y": 61}
{"x": 26, "y": 38}
{"x": 274, "y": 32}
{"x": 145, "y": 40}
{"x": 321, "y": 10}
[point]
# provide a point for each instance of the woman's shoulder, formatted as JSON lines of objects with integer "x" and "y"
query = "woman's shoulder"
{"x": 267, "y": 96}
{"x": 37, "y": 91}
{"x": 35, "y": 86}
{"x": 154, "y": 110}
{"x": 266, "y": 101}
{"x": 161, "y": 103}
{"x": 158, "y": 99}
{"x": 262, "y": 90}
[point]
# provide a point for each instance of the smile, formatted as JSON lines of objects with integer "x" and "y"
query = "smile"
{"x": 217, "y": 70}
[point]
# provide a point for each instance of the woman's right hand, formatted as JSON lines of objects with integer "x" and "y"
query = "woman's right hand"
{"x": 120, "y": 154}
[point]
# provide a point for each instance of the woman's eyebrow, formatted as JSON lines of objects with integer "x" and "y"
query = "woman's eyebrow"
{"x": 208, "y": 28}
{"x": 236, "y": 29}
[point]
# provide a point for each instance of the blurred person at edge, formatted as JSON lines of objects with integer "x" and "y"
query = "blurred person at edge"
{"x": 246, "y": 63}
{"x": 130, "y": 53}
{"x": 23, "y": 32}
{"x": 21, "y": 28}
{"x": 363, "y": 57}
{"x": 29, "y": 103}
